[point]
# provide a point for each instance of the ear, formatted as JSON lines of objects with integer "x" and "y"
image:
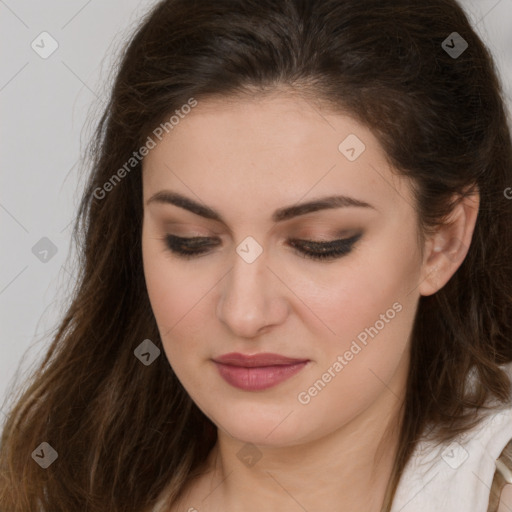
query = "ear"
{"x": 445, "y": 250}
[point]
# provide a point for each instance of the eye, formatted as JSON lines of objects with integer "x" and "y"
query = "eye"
{"x": 331, "y": 250}
{"x": 191, "y": 247}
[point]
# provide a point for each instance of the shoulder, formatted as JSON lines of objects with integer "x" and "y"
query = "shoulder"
{"x": 456, "y": 475}
{"x": 500, "y": 498}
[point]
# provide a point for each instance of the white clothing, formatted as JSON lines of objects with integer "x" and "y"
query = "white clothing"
{"x": 456, "y": 476}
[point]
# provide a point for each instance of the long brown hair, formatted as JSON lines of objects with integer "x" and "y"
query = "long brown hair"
{"x": 125, "y": 431}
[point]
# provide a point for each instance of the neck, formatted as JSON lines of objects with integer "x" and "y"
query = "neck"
{"x": 348, "y": 469}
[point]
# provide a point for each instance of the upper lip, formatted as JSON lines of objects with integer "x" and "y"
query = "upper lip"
{"x": 263, "y": 359}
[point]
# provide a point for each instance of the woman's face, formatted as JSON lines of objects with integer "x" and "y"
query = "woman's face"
{"x": 252, "y": 290}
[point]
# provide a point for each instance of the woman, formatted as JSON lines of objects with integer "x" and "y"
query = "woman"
{"x": 304, "y": 206}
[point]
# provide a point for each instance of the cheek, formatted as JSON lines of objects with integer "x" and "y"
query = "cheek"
{"x": 178, "y": 298}
{"x": 372, "y": 317}
{"x": 351, "y": 295}
{"x": 386, "y": 274}
{"x": 167, "y": 289}
{"x": 367, "y": 310}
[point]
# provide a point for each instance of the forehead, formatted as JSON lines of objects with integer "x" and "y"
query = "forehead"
{"x": 271, "y": 149}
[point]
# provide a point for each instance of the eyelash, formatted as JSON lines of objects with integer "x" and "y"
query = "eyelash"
{"x": 325, "y": 251}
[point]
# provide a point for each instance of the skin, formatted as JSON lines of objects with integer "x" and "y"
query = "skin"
{"x": 245, "y": 158}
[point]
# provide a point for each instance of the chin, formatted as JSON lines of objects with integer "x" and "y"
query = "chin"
{"x": 281, "y": 428}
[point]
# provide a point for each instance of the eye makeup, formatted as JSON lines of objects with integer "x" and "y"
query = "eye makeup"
{"x": 192, "y": 247}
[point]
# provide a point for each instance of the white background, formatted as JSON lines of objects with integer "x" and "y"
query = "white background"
{"x": 49, "y": 109}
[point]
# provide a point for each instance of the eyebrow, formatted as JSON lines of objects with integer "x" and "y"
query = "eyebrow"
{"x": 280, "y": 215}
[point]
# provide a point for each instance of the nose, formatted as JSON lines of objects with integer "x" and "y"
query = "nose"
{"x": 252, "y": 299}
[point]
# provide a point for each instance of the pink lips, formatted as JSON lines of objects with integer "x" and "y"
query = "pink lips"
{"x": 258, "y": 371}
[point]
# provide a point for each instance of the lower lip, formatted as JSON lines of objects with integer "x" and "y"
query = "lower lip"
{"x": 258, "y": 378}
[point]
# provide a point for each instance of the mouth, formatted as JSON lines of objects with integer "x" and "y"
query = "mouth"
{"x": 257, "y": 372}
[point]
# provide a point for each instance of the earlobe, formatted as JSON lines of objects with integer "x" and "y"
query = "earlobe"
{"x": 446, "y": 249}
